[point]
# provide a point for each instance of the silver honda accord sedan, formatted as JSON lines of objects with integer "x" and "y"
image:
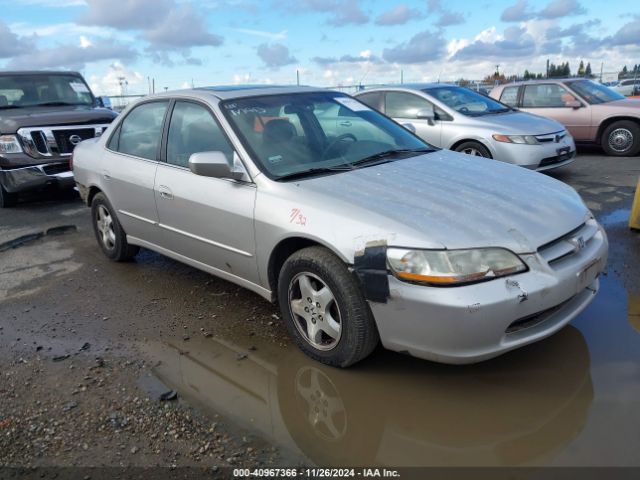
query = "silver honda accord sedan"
{"x": 362, "y": 237}
{"x": 459, "y": 119}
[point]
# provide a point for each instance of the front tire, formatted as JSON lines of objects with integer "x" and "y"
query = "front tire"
{"x": 473, "y": 148}
{"x": 621, "y": 139}
{"x": 324, "y": 309}
{"x": 7, "y": 199}
{"x": 109, "y": 233}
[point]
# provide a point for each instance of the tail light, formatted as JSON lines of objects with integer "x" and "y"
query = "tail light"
{"x": 71, "y": 162}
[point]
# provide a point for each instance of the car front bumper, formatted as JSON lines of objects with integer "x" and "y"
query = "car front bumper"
{"x": 22, "y": 179}
{"x": 544, "y": 156}
{"x": 468, "y": 324}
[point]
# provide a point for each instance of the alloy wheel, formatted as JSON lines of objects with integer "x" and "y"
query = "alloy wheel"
{"x": 104, "y": 223}
{"x": 315, "y": 311}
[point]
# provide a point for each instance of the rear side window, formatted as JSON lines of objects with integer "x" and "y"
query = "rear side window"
{"x": 372, "y": 99}
{"x": 405, "y": 105}
{"x": 510, "y": 96}
{"x": 546, "y": 95}
{"x": 140, "y": 132}
{"x": 193, "y": 129}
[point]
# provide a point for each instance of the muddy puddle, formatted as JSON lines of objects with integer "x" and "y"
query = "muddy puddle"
{"x": 573, "y": 399}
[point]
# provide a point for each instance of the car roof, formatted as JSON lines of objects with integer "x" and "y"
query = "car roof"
{"x": 542, "y": 80}
{"x": 226, "y": 92}
{"x": 407, "y": 86}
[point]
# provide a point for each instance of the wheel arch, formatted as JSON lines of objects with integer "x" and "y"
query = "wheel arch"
{"x": 485, "y": 144}
{"x": 608, "y": 121}
{"x": 283, "y": 250}
{"x": 93, "y": 191}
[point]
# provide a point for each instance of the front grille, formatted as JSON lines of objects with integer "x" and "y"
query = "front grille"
{"x": 55, "y": 141}
{"x": 551, "y": 137}
{"x": 545, "y": 162}
{"x": 56, "y": 168}
{"x": 533, "y": 320}
{"x": 570, "y": 243}
{"x": 62, "y": 138}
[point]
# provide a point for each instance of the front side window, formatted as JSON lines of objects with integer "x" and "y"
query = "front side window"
{"x": 509, "y": 96}
{"x": 594, "y": 92}
{"x": 140, "y": 132}
{"x": 405, "y": 105}
{"x": 193, "y": 129}
{"x": 24, "y": 90}
{"x": 465, "y": 101}
{"x": 293, "y": 134}
{"x": 372, "y": 99}
{"x": 546, "y": 95}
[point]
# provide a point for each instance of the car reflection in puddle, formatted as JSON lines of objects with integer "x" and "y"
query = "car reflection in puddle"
{"x": 391, "y": 410}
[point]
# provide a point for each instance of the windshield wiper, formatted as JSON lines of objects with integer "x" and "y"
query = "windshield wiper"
{"x": 6, "y": 107}
{"x": 383, "y": 157}
{"x": 499, "y": 110}
{"x": 313, "y": 171}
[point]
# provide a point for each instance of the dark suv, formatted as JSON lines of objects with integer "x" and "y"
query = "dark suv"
{"x": 43, "y": 116}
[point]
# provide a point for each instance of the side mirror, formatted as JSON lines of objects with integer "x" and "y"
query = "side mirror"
{"x": 212, "y": 164}
{"x": 573, "y": 103}
{"x": 104, "y": 102}
{"x": 426, "y": 114}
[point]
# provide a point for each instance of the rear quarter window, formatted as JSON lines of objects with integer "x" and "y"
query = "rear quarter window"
{"x": 509, "y": 96}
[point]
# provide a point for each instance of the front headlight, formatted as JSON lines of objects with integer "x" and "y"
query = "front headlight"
{"x": 10, "y": 144}
{"x": 452, "y": 267}
{"x": 523, "y": 139}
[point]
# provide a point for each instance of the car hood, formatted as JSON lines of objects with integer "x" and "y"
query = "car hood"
{"x": 520, "y": 123}
{"x": 626, "y": 105}
{"x": 13, "y": 119}
{"x": 453, "y": 200}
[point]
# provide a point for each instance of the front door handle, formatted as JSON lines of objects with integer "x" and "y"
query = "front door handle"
{"x": 106, "y": 174}
{"x": 165, "y": 192}
{"x": 346, "y": 123}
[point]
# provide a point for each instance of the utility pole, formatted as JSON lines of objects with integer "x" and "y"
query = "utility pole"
{"x": 153, "y": 85}
{"x": 401, "y": 76}
{"x": 298, "y": 77}
{"x": 601, "y": 67}
{"x": 547, "y": 68}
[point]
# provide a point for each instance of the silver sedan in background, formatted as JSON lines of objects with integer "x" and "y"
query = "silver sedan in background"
{"x": 456, "y": 118}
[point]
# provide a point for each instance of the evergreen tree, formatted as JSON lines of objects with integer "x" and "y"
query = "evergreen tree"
{"x": 581, "y": 71}
{"x": 587, "y": 71}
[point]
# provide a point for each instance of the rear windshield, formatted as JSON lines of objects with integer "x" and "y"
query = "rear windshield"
{"x": 34, "y": 90}
{"x": 594, "y": 92}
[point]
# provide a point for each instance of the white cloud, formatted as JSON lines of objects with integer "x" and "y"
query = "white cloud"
{"x": 261, "y": 33}
{"x": 85, "y": 42}
{"x": 109, "y": 82}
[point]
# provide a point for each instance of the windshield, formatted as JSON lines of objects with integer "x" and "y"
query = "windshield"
{"x": 292, "y": 134}
{"x": 467, "y": 101}
{"x": 594, "y": 92}
{"x": 41, "y": 89}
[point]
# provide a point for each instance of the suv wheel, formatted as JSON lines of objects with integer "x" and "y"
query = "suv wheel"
{"x": 473, "y": 148}
{"x": 324, "y": 309}
{"x": 7, "y": 199}
{"x": 110, "y": 235}
{"x": 621, "y": 138}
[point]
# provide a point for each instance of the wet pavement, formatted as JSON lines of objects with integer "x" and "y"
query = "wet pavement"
{"x": 572, "y": 399}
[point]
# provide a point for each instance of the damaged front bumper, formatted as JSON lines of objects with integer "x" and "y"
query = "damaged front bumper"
{"x": 468, "y": 324}
{"x": 21, "y": 179}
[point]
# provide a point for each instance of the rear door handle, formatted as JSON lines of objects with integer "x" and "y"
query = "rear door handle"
{"x": 165, "y": 192}
{"x": 346, "y": 123}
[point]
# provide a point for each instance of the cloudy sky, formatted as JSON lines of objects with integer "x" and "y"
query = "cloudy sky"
{"x": 330, "y": 42}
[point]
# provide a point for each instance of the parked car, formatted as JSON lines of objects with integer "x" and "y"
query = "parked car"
{"x": 362, "y": 236}
{"x": 462, "y": 120}
{"x": 627, "y": 87}
{"x": 43, "y": 116}
{"x": 592, "y": 112}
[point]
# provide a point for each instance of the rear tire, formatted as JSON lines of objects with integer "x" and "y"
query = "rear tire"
{"x": 109, "y": 233}
{"x": 473, "y": 149}
{"x": 7, "y": 199}
{"x": 324, "y": 309}
{"x": 621, "y": 139}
